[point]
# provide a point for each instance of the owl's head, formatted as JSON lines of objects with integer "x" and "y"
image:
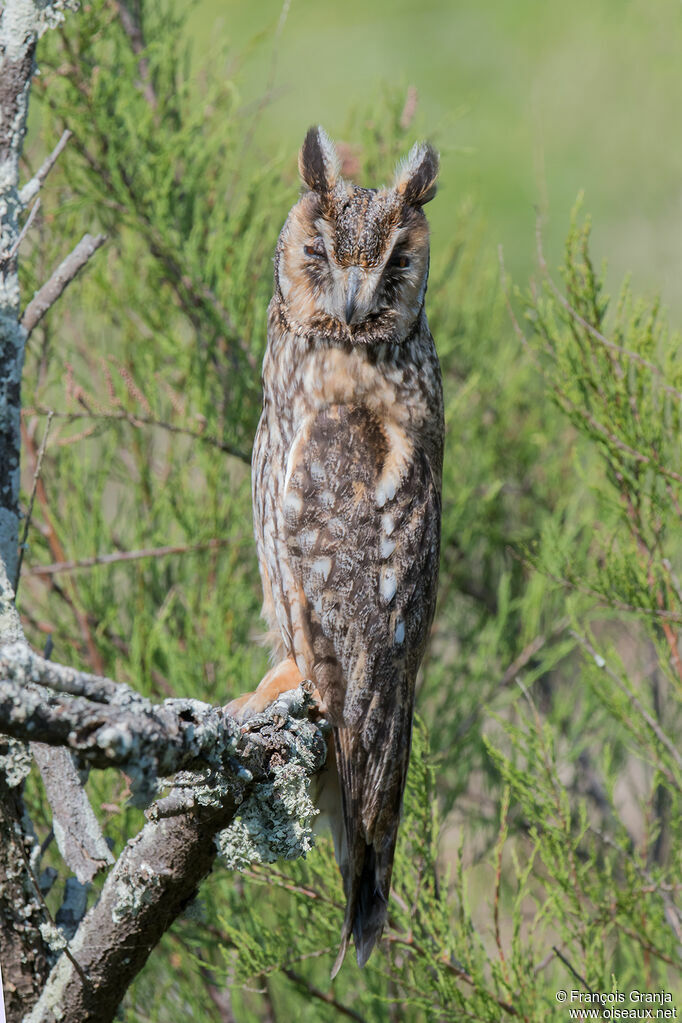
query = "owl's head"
{"x": 352, "y": 262}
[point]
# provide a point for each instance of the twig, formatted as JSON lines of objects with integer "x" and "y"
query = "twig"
{"x": 22, "y": 234}
{"x": 323, "y": 996}
{"x": 566, "y": 402}
{"x": 33, "y": 186}
{"x": 410, "y": 107}
{"x": 544, "y": 962}
{"x": 453, "y": 968}
{"x": 118, "y": 556}
{"x": 672, "y": 913}
{"x": 76, "y": 829}
{"x": 137, "y": 421}
{"x": 502, "y": 837}
{"x": 69, "y": 594}
{"x": 60, "y": 279}
{"x": 219, "y": 996}
{"x": 613, "y": 439}
{"x": 137, "y": 43}
{"x": 653, "y": 725}
{"x": 569, "y": 966}
{"x": 29, "y": 513}
{"x": 601, "y": 598}
{"x": 517, "y": 665}
{"x": 529, "y": 651}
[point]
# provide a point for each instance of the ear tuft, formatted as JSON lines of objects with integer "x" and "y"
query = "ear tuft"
{"x": 318, "y": 162}
{"x": 415, "y": 176}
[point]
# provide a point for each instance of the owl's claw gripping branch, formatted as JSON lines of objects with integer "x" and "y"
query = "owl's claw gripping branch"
{"x": 280, "y": 685}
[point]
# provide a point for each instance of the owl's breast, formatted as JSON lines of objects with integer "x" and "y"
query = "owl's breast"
{"x": 303, "y": 375}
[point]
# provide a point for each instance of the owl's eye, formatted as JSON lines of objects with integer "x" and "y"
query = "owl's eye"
{"x": 315, "y": 249}
{"x": 400, "y": 261}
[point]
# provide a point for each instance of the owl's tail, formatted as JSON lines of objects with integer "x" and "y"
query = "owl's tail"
{"x": 370, "y": 787}
{"x": 367, "y": 893}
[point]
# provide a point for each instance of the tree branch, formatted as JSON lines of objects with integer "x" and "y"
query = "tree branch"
{"x": 149, "y": 740}
{"x": 25, "y": 933}
{"x": 116, "y": 557}
{"x": 76, "y": 829}
{"x": 33, "y": 186}
{"x": 22, "y": 234}
{"x": 29, "y": 513}
{"x": 159, "y": 871}
{"x": 133, "y": 30}
{"x": 60, "y": 279}
{"x": 228, "y": 772}
{"x": 136, "y": 420}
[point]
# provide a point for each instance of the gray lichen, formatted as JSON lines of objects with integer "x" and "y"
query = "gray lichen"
{"x": 133, "y": 892}
{"x": 274, "y": 823}
{"x": 15, "y": 761}
{"x": 52, "y": 936}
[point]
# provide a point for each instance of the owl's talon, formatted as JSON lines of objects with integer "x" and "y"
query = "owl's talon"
{"x": 238, "y": 708}
{"x": 279, "y": 685}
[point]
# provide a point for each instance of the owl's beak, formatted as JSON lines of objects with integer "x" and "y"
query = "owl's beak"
{"x": 352, "y": 294}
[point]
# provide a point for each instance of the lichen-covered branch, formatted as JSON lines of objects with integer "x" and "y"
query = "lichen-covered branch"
{"x": 76, "y": 829}
{"x": 243, "y": 809}
{"x": 24, "y": 921}
{"x": 242, "y": 793}
{"x": 23, "y": 918}
{"x": 107, "y": 725}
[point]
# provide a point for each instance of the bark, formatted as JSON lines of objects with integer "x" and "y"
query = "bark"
{"x": 24, "y": 921}
{"x": 23, "y": 949}
{"x": 155, "y": 878}
{"x": 107, "y": 724}
{"x": 22, "y": 913}
{"x": 22, "y": 22}
{"x": 76, "y": 829}
{"x": 17, "y": 49}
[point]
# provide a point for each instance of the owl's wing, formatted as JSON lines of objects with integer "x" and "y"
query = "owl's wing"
{"x": 362, "y": 516}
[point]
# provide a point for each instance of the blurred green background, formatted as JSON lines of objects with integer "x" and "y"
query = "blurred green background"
{"x": 529, "y": 103}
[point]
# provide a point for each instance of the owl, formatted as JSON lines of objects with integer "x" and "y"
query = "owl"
{"x": 347, "y": 468}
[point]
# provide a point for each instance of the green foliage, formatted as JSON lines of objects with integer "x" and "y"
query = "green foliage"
{"x": 542, "y": 832}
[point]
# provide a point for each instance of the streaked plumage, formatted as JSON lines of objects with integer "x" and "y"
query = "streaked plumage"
{"x": 346, "y": 489}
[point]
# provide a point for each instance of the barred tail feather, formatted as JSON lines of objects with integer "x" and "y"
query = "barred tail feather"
{"x": 367, "y": 891}
{"x": 371, "y": 906}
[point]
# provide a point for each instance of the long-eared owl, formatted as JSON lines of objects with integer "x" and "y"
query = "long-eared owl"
{"x": 347, "y": 471}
